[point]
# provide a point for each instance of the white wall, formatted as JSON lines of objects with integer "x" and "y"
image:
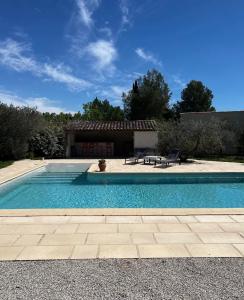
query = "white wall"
{"x": 145, "y": 139}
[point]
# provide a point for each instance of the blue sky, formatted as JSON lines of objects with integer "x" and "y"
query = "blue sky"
{"x": 57, "y": 54}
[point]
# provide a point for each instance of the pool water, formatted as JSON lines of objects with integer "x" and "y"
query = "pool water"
{"x": 72, "y": 187}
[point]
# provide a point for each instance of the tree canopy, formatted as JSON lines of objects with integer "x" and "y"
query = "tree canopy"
{"x": 195, "y": 137}
{"x": 48, "y": 142}
{"x": 195, "y": 98}
{"x": 102, "y": 110}
{"x": 61, "y": 118}
{"x": 18, "y": 124}
{"x": 148, "y": 98}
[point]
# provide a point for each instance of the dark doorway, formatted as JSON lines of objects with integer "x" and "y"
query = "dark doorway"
{"x": 112, "y": 143}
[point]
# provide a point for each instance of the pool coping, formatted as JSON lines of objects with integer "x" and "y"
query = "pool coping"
{"x": 120, "y": 212}
{"x": 21, "y": 174}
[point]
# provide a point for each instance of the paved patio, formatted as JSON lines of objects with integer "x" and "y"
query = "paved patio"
{"x": 118, "y": 165}
{"x": 84, "y": 237}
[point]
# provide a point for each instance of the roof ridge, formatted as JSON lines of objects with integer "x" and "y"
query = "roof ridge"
{"x": 135, "y": 125}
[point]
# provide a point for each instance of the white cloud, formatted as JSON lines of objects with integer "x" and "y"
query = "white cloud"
{"x": 134, "y": 75}
{"x": 147, "y": 56}
{"x": 181, "y": 83}
{"x": 113, "y": 93}
{"x": 86, "y": 9}
{"x": 11, "y": 55}
{"x": 42, "y": 104}
{"x": 117, "y": 90}
{"x": 60, "y": 74}
{"x": 17, "y": 56}
{"x": 124, "y": 14}
{"x": 106, "y": 30}
{"x": 104, "y": 54}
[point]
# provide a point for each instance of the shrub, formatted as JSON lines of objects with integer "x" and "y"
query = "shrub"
{"x": 48, "y": 142}
{"x": 18, "y": 124}
{"x": 241, "y": 143}
{"x": 195, "y": 138}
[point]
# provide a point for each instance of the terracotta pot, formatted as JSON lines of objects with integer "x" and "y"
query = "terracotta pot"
{"x": 102, "y": 167}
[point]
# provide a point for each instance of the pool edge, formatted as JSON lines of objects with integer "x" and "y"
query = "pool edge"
{"x": 120, "y": 212}
{"x": 22, "y": 174}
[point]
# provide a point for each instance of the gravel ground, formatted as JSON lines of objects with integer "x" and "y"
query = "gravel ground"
{"x": 190, "y": 278}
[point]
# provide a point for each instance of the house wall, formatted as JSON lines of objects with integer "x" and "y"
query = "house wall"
{"x": 145, "y": 139}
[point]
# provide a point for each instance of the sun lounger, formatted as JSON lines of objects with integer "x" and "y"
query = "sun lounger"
{"x": 134, "y": 159}
{"x": 173, "y": 157}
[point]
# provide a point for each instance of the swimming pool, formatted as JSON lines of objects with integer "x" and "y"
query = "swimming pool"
{"x": 69, "y": 186}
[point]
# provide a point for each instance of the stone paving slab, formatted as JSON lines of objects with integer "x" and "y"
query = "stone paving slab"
{"x": 165, "y": 250}
{"x": 213, "y": 250}
{"x": 31, "y": 238}
{"x": 118, "y": 251}
{"x": 19, "y": 168}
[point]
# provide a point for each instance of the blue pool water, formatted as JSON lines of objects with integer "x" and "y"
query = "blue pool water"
{"x": 72, "y": 187}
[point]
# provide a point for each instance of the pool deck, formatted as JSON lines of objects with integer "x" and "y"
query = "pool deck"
{"x": 84, "y": 237}
{"x": 120, "y": 233}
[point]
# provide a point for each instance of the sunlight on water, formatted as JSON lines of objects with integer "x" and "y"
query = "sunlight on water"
{"x": 72, "y": 187}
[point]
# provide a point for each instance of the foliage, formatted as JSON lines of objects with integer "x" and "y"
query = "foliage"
{"x": 241, "y": 143}
{"x": 5, "y": 163}
{"x": 195, "y": 98}
{"x": 148, "y": 98}
{"x": 49, "y": 142}
{"x": 61, "y": 118}
{"x": 195, "y": 138}
{"x": 102, "y": 110}
{"x": 18, "y": 124}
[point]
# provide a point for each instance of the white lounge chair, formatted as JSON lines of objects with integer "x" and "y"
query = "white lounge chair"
{"x": 173, "y": 157}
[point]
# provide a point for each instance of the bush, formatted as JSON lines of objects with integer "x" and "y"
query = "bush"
{"x": 241, "y": 143}
{"x": 18, "y": 124}
{"x": 195, "y": 138}
{"x": 49, "y": 143}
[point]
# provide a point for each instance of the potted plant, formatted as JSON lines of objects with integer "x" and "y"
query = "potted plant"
{"x": 102, "y": 165}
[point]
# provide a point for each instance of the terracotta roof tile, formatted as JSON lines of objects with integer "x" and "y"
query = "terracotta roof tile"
{"x": 137, "y": 125}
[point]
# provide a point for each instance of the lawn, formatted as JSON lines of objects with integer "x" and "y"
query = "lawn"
{"x": 5, "y": 163}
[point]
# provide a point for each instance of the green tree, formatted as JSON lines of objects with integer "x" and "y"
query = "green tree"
{"x": 195, "y": 98}
{"x": 18, "y": 124}
{"x": 61, "y": 118}
{"x": 102, "y": 110}
{"x": 48, "y": 142}
{"x": 196, "y": 138}
{"x": 148, "y": 98}
{"x": 241, "y": 143}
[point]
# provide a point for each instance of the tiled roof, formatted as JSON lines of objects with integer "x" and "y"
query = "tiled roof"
{"x": 137, "y": 125}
